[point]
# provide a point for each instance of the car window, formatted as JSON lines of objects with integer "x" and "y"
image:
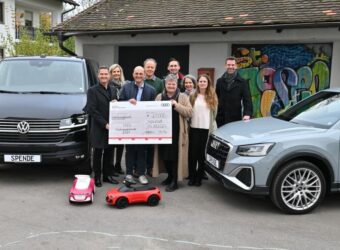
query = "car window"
{"x": 321, "y": 110}
{"x": 36, "y": 75}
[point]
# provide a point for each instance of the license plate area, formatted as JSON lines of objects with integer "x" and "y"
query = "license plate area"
{"x": 22, "y": 158}
{"x": 213, "y": 161}
{"x": 79, "y": 197}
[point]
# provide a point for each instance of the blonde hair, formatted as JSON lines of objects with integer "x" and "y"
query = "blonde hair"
{"x": 210, "y": 94}
{"x": 112, "y": 67}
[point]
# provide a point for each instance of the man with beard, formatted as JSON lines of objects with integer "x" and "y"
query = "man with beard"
{"x": 174, "y": 69}
{"x": 234, "y": 99}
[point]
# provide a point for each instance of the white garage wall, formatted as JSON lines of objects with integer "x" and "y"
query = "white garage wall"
{"x": 335, "y": 73}
{"x": 209, "y": 49}
{"x": 103, "y": 54}
{"x": 208, "y": 55}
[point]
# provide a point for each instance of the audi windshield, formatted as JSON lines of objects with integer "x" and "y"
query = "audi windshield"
{"x": 321, "y": 110}
{"x": 42, "y": 76}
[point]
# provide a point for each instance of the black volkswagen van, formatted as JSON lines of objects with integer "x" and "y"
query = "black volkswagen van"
{"x": 42, "y": 100}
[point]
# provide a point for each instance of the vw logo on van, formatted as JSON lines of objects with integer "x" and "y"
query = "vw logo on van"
{"x": 23, "y": 127}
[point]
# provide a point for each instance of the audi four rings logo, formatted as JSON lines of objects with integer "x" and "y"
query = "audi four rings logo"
{"x": 215, "y": 144}
{"x": 23, "y": 127}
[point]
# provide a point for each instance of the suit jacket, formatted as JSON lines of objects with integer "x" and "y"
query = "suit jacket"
{"x": 234, "y": 101}
{"x": 130, "y": 90}
{"x": 98, "y": 107}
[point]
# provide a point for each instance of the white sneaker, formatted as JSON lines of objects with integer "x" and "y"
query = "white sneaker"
{"x": 129, "y": 178}
{"x": 143, "y": 180}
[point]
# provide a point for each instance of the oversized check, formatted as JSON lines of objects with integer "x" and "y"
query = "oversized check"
{"x": 147, "y": 122}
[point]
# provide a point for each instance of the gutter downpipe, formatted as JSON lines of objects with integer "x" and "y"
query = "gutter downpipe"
{"x": 61, "y": 37}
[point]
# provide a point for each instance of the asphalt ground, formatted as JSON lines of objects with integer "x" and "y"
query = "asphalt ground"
{"x": 36, "y": 214}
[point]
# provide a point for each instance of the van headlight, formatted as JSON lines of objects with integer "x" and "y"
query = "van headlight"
{"x": 73, "y": 122}
{"x": 254, "y": 149}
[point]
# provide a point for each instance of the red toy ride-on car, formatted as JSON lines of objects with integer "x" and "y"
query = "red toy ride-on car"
{"x": 123, "y": 196}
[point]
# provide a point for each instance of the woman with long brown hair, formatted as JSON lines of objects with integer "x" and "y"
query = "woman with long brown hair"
{"x": 204, "y": 102}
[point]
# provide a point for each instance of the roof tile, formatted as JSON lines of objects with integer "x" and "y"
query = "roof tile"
{"x": 108, "y": 15}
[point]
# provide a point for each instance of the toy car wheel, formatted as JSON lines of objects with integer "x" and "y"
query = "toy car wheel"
{"x": 92, "y": 197}
{"x": 153, "y": 200}
{"x": 122, "y": 202}
{"x": 298, "y": 188}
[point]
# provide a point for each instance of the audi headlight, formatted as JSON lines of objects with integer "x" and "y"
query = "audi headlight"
{"x": 73, "y": 122}
{"x": 254, "y": 149}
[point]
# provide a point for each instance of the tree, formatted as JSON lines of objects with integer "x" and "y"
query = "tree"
{"x": 39, "y": 45}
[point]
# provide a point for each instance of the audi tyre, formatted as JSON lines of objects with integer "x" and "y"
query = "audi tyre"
{"x": 298, "y": 187}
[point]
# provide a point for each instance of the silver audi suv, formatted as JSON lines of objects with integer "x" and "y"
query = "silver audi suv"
{"x": 293, "y": 158}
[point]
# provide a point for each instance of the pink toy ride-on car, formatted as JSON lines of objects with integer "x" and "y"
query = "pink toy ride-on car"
{"x": 82, "y": 190}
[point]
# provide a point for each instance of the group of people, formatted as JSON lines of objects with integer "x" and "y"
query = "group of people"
{"x": 198, "y": 108}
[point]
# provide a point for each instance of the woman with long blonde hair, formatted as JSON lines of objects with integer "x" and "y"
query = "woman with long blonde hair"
{"x": 204, "y": 102}
{"x": 117, "y": 80}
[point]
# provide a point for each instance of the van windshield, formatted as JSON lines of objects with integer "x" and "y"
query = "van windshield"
{"x": 42, "y": 76}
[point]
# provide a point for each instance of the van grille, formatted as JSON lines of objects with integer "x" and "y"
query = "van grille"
{"x": 40, "y": 131}
{"x": 35, "y": 125}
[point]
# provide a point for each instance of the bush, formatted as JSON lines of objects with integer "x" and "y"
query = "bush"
{"x": 39, "y": 45}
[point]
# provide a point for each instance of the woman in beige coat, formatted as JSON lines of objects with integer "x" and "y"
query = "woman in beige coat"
{"x": 173, "y": 158}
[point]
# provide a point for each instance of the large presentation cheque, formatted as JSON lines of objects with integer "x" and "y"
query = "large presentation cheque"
{"x": 148, "y": 122}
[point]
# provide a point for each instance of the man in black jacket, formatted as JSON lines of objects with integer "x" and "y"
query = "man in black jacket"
{"x": 98, "y": 107}
{"x": 234, "y": 99}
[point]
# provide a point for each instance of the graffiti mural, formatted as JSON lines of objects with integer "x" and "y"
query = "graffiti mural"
{"x": 280, "y": 75}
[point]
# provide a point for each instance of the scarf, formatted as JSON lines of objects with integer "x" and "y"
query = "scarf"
{"x": 229, "y": 79}
{"x": 173, "y": 97}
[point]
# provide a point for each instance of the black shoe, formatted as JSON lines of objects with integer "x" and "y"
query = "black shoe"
{"x": 110, "y": 179}
{"x": 198, "y": 183}
{"x": 191, "y": 182}
{"x": 167, "y": 181}
{"x": 172, "y": 187}
{"x": 115, "y": 174}
{"x": 98, "y": 182}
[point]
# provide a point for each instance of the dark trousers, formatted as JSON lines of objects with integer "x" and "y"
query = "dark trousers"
{"x": 119, "y": 154}
{"x": 102, "y": 157}
{"x": 197, "y": 141}
{"x": 172, "y": 169}
{"x": 149, "y": 157}
{"x": 135, "y": 156}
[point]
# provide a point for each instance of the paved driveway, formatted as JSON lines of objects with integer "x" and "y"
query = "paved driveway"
{"x": 36, "y": 214}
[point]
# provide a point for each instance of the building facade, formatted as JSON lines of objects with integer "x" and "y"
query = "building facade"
{"x": 285, "y": 52}
{"x": 18, "y": 14}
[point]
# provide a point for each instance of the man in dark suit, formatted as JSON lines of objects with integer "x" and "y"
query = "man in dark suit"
{"x": 134, "y": 92}
{"x": 234, "y": 99}
{"x": 98, "y": 107}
